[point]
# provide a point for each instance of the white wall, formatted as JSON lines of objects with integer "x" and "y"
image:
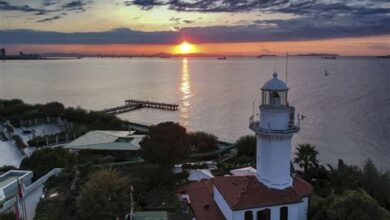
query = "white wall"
{"x": 296, "y": 211}
{"x": 303, "y": 208}
{"x": 275, "y": 119}
{"x": 273, "y": 162}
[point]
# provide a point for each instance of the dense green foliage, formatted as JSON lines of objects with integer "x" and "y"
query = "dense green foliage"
{"x": 350, "y": 177}
{"x": 203, "y": 142}
{"x": 7, "y": 216}
{"x": 350, "y": 205}
{"x": 42, "y": 161}
{"x": 16, "y": 110}
{"x": 6, "y": 168}
{"x": 166, "y": 144}
{"x": 246, "y": 145}
{"x": 153, "y": 188}
{"x": 105, "y": 195}
{"x": 93, "y": 119}
{"x": 67, "y": 186}
{"x": 345, "y": 190}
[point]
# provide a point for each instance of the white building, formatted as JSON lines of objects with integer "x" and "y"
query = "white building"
{"x": 106, "y": 141}
{"x": 271, "y": 193}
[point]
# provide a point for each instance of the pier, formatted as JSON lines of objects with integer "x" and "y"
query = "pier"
{"x": 131, "y": 105}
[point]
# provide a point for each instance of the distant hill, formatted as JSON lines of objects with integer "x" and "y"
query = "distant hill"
{"x": 265, "y": 55}
{"x": 385, "y": 56}
{"x": 317, "y": 55}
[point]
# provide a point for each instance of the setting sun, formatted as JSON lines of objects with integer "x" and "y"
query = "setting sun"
{"x": 185, "y": 48}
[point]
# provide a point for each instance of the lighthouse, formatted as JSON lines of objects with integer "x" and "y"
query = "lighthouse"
{"x": 269, "y": 193}
{"x": 274, "y": 131}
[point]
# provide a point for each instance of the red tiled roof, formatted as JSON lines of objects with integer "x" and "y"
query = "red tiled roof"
{"x": 202, "y": 202}
{"x": 245, "y": 192}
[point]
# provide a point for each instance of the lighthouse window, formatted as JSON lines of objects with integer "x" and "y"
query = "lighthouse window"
{"x": 248, "y": 215}
{"x": 284, "y": 213}
{"x": 275, "y": 99}
{"x": 264, "y": 214}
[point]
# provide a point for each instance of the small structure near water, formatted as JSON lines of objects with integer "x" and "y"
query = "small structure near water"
{"x": 132, "y": 104}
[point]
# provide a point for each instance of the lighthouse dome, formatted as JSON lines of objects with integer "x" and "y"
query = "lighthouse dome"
{"x": 274, "y": 84}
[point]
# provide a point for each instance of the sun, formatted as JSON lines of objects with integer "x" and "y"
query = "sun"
{"x": 185, "y": 48}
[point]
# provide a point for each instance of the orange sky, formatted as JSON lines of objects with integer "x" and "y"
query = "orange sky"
{"x": 371, "y": 46}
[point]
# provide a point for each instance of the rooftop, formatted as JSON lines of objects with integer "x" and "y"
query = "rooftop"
{"x": 274, "y": 84}
{"x": 106, "y": 140}
{"x": 246, "y": 192}
{"x": 240, "y": 192}
{"x": 201, "y": 200}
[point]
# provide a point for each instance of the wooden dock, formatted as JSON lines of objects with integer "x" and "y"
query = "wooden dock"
{"x": 131, "y": 105}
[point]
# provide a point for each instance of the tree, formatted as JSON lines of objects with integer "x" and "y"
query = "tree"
{"x": 42, "y": 161}
{"x": 246, "y": 145}
{"x": 53, "y": 109}
{"x": 106, "y": 195}
{"x": 351, "y": 205}
{"x": 345, "y": 177}
{"x": 166, "y": 144}
{"x": 306, "y": 157}
{"x": 376, "y": 184}
{"x": 203, "y": 141}
{"x": 7, "y": 216}
{"x": 7, "y": 168}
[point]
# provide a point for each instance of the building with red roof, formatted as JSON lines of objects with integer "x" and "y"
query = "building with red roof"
{"x": 270, "y": 193}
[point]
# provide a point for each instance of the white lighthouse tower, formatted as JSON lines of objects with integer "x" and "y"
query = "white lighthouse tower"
{"x": 274, "y": 132}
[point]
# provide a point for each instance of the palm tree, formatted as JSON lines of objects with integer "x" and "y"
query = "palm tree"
{"x": 306, "y": 157}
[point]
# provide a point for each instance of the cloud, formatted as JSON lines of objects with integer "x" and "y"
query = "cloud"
{"x": 188, "y": 21}
{"x": 344, "y": 14}
{"x": 287, "y": 6}
{"x": 49, "y": 19}
{"x": 116, "y": 36}
{"x": 6, "y": 6}
{"x": 55, "y": 8}
{"x": 207, "y": 5}
{"x": 275, "y": 30}
{"x": 145, "y": 4}
{"x": 75, "y": 6}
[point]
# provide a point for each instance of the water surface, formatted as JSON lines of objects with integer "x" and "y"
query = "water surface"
{"x": 347, "y": 113}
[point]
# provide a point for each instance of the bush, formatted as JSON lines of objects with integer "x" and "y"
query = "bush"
{"x": 203, "y": 141}
{"x": 53, "y": 109}
{"x": 42, "y": 161}
{"x": 353, "y": 205}
{"x": 105, "y": 195}
{"x": 166, "y": 144}
{"x": 7, "y": 216}
{"x": 6, "y": 168}
{"x": 246, "y": 145}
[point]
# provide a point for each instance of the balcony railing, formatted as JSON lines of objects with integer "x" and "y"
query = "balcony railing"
{"x": 255, "y": 126}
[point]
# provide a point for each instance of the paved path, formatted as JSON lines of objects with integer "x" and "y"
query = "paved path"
{"x": 9, "y": 154}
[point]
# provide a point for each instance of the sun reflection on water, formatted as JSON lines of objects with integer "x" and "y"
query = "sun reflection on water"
{"x": 185, "y": 89}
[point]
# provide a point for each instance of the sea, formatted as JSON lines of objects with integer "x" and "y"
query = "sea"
{"x": 346, "y": 112}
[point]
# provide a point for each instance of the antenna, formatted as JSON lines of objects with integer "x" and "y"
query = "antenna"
{"x": 286, "y": 65}
{"x": 253, "y": 107}
{"x": 275, "y": 65}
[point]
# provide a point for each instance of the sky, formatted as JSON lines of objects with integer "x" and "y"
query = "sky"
{"x": 236, "y": 27}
